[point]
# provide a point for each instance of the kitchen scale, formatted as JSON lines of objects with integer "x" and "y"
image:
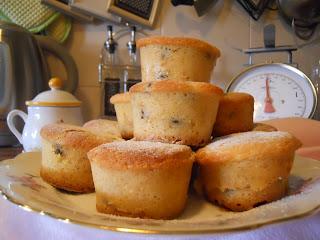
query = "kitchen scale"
{"x": 279, "y": 90}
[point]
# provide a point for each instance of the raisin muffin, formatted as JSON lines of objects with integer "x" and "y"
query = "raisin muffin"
{"x": 243, "y": 170}
{"x": 64, "y": 161}
{"x": 141, "y": 179}
{"x": 235, "y": 114}
{"x": 263, "y": 127}
{"x": 181, "y": 59}
{"x": 105, "y": 128}
{"x": 174, "y": 112}
{"x": 122, "y": 105}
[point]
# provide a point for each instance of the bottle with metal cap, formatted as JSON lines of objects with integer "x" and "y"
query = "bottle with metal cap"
{"x": 132, "y": 73}
{"x": 109, "y": 73}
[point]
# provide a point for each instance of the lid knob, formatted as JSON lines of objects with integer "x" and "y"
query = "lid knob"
{"x": 55, "y": 83}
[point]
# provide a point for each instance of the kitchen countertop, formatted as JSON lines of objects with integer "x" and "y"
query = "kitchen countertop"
{"x": 9, "y": 152}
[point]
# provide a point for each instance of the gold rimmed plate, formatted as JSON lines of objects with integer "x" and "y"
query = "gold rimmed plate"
{"x": 21, "y": 184}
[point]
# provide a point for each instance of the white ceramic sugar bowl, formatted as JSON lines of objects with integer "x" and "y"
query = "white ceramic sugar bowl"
{"x": 52, "y": 106}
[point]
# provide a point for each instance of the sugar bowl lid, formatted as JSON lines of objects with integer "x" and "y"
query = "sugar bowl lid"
{"x": 54, "y": 97}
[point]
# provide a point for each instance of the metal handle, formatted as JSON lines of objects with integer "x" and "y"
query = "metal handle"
{"x": 7, "y": 81}
{"x": 60, "y": 52}
{"x": 11, "y": 125}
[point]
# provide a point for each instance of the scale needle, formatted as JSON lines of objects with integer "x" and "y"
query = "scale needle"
{"x": 268, "y": 107}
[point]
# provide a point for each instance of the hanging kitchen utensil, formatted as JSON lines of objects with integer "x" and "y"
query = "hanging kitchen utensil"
{"x": 141, "y": 12}
{"x": 64, "y": 6}
{"x": 302, "y": 15}
{"x": 201, "y": 6}
{"x": 255, "y": 8}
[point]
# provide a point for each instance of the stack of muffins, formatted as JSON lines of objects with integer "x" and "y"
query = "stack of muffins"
{"x": 174, "y": 103}
{"x": 172, "y": 111}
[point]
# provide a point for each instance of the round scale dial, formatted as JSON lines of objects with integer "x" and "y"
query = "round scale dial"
{"x": 279, "y": 91}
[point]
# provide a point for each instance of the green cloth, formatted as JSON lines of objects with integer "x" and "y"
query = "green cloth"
{"x": 59, "y": 29}
{"x": 36, "y": 17}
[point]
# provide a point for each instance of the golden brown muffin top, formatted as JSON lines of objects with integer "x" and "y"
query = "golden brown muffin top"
{"x": 263, "y": 127}
{"x": 242, "y": 145}
{"x": 237, "y": 97}
{"x": 103, "y": 127}
{"x": 176, "y": 86}
{"x": 120, "y": 98}
{"x": 180, "y": 41}
{"x": 70, "y": 135}
{"x": 140, "y": 155}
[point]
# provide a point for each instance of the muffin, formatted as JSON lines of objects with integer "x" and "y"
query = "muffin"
{"x": 64, "y": 162}
{"x": 180, "y": 59}
{"x": 235, "y": 114}
{"x": 141, "y": 179}
{"x": 244, "y": 170}
{"x": 104, "y": 128}
{"x": 122, "y": 105}
{"x": 263, "y": 127}
{"x": 174, "y": 112}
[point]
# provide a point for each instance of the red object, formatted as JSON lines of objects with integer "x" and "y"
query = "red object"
{"x": 268, "y": 107}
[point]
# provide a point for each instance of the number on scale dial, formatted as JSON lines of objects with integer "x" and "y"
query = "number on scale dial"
{"x": 279, "y": 91}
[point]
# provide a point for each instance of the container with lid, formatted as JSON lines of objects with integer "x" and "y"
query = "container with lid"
{"x": 52, "y": 106}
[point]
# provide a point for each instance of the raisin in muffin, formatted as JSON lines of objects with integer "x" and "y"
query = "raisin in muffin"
{"x": 141, "y": 179}
{"x": 175, "y": 112}
{"x": 235, "y": 114}
{"x": 64, "y": 161}
{"x": 243, "y": 170}
{"x": 180, "y": 59}
{"x": 122, "y": 105}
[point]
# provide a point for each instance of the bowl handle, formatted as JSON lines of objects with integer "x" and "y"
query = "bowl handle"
{"x": 11, "y": 125}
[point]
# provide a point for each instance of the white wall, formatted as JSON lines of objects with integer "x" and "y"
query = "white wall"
{"x": 226, "y": 26}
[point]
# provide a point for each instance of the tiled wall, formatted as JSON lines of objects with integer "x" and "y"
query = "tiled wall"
{"x": 227, "y": 26}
